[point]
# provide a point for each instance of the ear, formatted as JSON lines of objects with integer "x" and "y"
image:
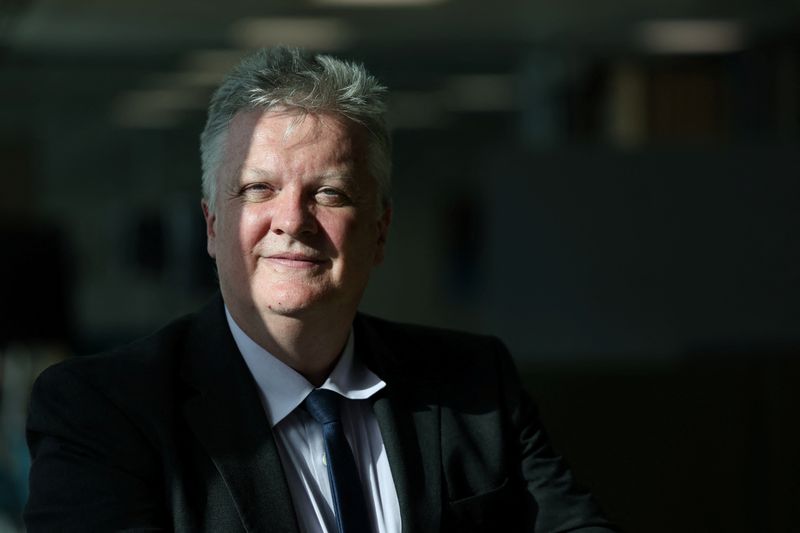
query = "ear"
{"x": 211, "y": 231}
{"x": 383, "y": 233}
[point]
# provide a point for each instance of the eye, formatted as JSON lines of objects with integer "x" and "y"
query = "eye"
{"x": 256, "y": 192}
{"x": 331, "y": 197}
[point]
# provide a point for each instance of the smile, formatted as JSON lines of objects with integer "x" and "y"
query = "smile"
{"x": 299, "y": 261}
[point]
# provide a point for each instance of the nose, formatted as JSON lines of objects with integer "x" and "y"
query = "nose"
{"x": 291, "y": 214}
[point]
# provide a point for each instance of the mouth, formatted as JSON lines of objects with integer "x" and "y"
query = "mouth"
{"x": 295, "y": 260}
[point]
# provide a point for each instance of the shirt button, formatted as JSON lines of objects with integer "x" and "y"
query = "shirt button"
{"x": 324, "y": 460}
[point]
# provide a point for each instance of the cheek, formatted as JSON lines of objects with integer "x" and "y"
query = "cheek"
{"x": 253, "y": 225}
{"x": 343, "y": 231}
{"x": 359, "y": 244}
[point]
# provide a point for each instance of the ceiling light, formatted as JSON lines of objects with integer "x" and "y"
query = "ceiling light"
{"x": 481, "y": 92}
{"x": 212, "y": 62}
{"x": 379, "y": 3}
{"x": 155, "y": 108}
{"x": 199, "y": 78}
{"x": 691, "y": 36}
{"x": 415, "y": 110}
{"x": 312, "y": 33}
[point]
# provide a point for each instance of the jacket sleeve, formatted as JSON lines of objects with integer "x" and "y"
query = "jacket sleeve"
{"x": 554, "y": 502}
{"x": 92, "y": 468}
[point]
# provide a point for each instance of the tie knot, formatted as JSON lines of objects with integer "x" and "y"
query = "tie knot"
{"x": 323, "y": 405}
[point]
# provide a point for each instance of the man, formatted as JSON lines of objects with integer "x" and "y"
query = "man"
{"x": 227, "y": 420}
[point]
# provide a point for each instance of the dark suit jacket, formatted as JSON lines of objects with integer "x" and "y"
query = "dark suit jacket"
{"x": 169, "y": 433}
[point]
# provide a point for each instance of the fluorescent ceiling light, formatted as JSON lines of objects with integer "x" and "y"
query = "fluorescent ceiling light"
{"x": 481, "y": 92}
{"x": 155, "y": 108}
{"x": 312, "y": 33}
{"x": 691, "y": 36}
{"x": 201, "y": 78}
{"x": 209, "y": 63}
{"x": 415, "y": 110}
{"x": 379, "y": 3}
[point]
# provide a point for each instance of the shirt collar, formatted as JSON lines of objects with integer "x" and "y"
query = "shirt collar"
{"x": 282, "y": 388}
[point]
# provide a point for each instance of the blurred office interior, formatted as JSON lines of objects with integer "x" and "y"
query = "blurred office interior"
{"x": 611, "y": 187}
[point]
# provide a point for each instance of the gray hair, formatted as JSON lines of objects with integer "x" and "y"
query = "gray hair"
{"x": 293, "y": 78}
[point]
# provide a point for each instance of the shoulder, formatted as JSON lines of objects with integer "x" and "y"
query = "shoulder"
{"x": 151, "y": 356}
{"x": 436, "y": 337}
{"x": 140, "y": 379}
{"x": 437, "y": 353}
{"x": 161, "y": 352}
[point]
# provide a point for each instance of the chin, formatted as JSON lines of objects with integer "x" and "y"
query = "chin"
{"x": 292, "y": 302}
{"x": 285, "y": 308}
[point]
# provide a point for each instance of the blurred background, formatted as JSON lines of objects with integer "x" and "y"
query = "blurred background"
{"x": 611, "y": 187}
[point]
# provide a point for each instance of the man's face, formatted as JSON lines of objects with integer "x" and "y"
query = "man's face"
{"x": 298, "y": 224}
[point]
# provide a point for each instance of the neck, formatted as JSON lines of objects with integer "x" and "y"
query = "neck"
{"x": 310, "y": 344}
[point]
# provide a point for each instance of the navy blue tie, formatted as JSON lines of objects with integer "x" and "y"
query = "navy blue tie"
{"x": 348, "y": 496}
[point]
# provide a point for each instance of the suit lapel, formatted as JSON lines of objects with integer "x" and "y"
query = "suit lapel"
{"x": 227, "y": 417}
{"x": 407, "y": 411}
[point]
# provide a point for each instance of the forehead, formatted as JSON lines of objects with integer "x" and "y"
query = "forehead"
{"x": 284, "y": 130}
{"x": 283, "y": 144}
{"x": 281, "y": 141}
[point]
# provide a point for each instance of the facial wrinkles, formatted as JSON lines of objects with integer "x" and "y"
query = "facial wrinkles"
{"x": 298, "y": 161}
{"x": 299, "y": 156}
{"x": 309, "y": 235}
{"x": 296, "y": 169}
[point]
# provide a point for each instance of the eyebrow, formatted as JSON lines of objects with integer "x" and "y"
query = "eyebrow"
{"x": 335, "y": 174}
{"x": 252, "y": 171}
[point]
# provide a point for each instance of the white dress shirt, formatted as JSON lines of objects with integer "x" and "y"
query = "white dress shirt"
{"x": 300, "y": 442}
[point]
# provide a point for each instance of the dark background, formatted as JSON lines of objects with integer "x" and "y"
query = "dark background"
{"x": 612, "y": 188}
